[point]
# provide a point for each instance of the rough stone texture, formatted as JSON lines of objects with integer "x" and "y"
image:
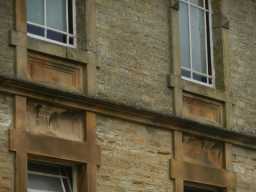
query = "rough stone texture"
{"x": 241, "y": 15}
{"x": 133, "y": 61}
{"x": 134, "y": 157}
{"x": 7, "y": 53}
{"x": 6, "y": 158}
{"x": 80, "y": 24}
{"x": 133, "y": 53}
{"x": 244, "y": 165}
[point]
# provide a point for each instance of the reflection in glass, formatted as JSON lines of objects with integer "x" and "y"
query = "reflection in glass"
{"x": 56, "y": 14}
{"x": 198, "y": 40}
{"x": 184, "y": 35}
{"x": 35, "y": 11}
{"x": 198, "y": 2}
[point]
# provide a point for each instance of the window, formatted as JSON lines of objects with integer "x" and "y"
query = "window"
{"x": 196, "y": 41}
{"x": 189, "y": 187}
{"x": 51, "y": 20}
{"x": 44, "y": 177}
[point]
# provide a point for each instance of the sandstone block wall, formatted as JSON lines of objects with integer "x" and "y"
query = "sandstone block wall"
{"x": 244, "y": 165}
{"x": 7, "y": 54}
{"x": 133, "y": 61}
{"x": 133, "y": 53}
{"x": 242, "y": 17}
{"x": 134, "y": 157}
{"x": 6, "y": 158}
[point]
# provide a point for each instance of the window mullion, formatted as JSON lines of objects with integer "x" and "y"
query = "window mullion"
{"x": 45, "y": 19}
{"x": 211, "y": 42}
{"x": 74, "y": 20}
{"x": 190, "y": 41}
{"x": 206, "y": 45}
{"x": 67, "y": 22}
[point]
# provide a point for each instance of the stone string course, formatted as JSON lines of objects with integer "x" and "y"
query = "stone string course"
{"x": 133, "y": 61}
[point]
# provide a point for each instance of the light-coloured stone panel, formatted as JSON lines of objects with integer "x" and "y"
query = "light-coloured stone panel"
{"x": 55, "y": 121}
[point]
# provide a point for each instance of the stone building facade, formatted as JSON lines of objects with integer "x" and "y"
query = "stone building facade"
{"x": 114, "y": 107}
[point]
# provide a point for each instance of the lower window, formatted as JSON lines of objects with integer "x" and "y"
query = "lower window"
{"x": 189, "y": 187}
{"x": 46, "y": 177}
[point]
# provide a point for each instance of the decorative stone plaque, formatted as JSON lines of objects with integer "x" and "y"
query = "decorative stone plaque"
{"x": 55, "y": 121}
{"x": 202, "y": 109}
{"x": 55, "y": 72}
{"x": 203, "y": 151}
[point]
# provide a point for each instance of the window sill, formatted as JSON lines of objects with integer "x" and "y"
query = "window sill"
{"x": 198, "y": 82}
{"x": 36, "y": 37}
{"x": 58, "y": 50}
{"x": 206, "y": 91}
{"x": 73, "y": 54}
{"x": 198, "y": 89}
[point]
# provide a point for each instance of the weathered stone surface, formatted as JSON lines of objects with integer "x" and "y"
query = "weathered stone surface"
{"x": 242, "y": 38}
{"x": 45, "y": 119}
{"x": 204, "y": 110}
{"x": 202, "y": 151}
{"x": 7, "y": 53}
{"x": 133, "y": 53}
{"x": 55, "y": 72}
{"x": 134, "y": 157}
{"x": 133, "y": 61}
{"x": 6, "y": 158}
{"x": 244, "y": 165}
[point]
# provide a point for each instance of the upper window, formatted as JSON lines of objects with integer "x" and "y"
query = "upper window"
{"x": 44, "y": 177}
{"x": 196, "y": 41}
{"x": 51, "y": 20}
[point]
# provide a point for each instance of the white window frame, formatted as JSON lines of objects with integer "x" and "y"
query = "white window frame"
{"x": 45, "y": 27}
{"x": 74, "y": 178}
{"x": 208, "y": 33}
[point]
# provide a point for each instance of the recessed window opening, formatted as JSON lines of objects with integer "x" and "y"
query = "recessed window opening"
{"x": 195, "y": 18}
{"x": 192, "y": 187}
{"x": 52, "y": 20}
{"x": 45, "y": 177}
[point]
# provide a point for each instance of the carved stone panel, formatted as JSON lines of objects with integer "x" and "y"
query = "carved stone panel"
{"x": 44, "y": 119}
{"x": 203, "y": 151}
{"x": 202, "y": 109}
{"x": 55, "y": 72}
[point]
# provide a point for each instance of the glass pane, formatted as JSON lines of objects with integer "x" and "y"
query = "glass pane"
{"x": 207, "y": 4}
{"x": 198, "y": 2}
{"x": 70, "y": 17}
{"x": 210, "y": 81}
{"x": 44, "y": 183}
{"x": 184, "y": 35}
{"x": 56, "y": 36}
{"x": 185, "y": 73}
{"x": 35, "y": 11}
{"x": 198, "y": 189}
{"x": 35, "y": 30}
{"x": 44, "y": 167}
{"x": 71, "y": 40}
{"x": 198, "y": 77}
{"x": 56, "y": 14}
{"x": 198, "y": 40}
